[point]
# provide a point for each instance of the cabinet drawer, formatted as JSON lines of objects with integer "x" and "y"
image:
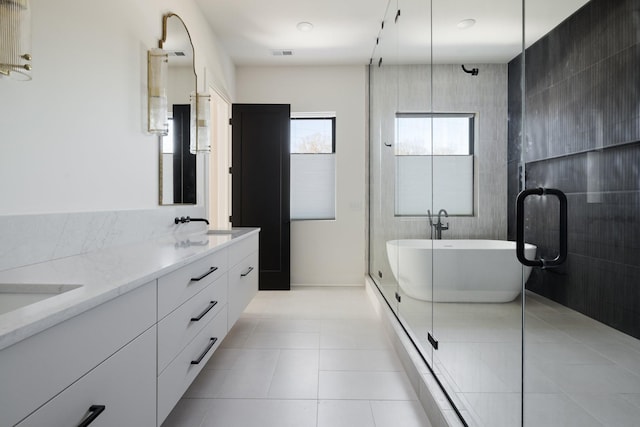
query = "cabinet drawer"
{"x": 177, "y": 329}
{"x": 243, "y": 248}
{"x": 180, "y": 285}
{"x": 243, "y": 285}
{"x": 34, "y": 370}
{"x": 124, "y": 384}
{"x": 181, "y": 372}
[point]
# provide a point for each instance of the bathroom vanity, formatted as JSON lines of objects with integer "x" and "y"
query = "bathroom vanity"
{"x": 122, "y": 345}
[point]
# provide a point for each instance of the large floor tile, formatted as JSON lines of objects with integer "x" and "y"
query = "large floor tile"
{"x": 287, "y": 325}
{"x": 223, "y": 358}
{"x": 365, "y": 385}
{"x": 310, "y": 357}
{"x": 359, "y": 360}
{"x": 352, "y": 338}
{"x": 250, "y": 376}
{"x": 188, "y": 413}
{"x": 295, "y": 376}
{"x": 566, "y": 353}
{"x": 399, "y": 413}
{"x": 237, "y": 336}
{"x": 263, "y": 413}
{"x": 249, "y": 383}
{"x": 208, "y": 384}
{"x": 470, "y": 374}
{"x": 307, "y": 340}
{"x": 494, "y": 409}
{"x": 596, "y": 379}
{"x": 612, "y": 410}
{"x": 345, "y": 413}
{"x": 250, "y": 358}
{"x": 621, "y": 355}
{"x": 555, "y": 410}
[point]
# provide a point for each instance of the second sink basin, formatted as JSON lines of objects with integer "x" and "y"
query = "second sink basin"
{"x": 15, "y": 296}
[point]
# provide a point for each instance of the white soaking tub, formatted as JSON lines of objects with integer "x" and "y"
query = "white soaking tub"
{"x": 465, "y": 270}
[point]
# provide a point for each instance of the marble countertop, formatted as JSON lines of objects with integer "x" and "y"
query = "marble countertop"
{"x": 103, "y": 275}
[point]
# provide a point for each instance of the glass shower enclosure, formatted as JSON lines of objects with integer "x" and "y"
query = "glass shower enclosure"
{"x": 504, "y": 203}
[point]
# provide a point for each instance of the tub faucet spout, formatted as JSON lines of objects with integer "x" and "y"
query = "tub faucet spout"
{"x": 439, "y": 226}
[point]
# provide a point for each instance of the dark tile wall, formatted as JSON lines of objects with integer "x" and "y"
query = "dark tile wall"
{"x": 582, "y": 135}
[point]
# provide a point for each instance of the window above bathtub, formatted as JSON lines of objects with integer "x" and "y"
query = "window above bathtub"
{"x": 438, "y": 134}
{"x": 434, "y": 166}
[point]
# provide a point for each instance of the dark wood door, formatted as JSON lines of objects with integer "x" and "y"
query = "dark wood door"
{"x": 260, "y": 185}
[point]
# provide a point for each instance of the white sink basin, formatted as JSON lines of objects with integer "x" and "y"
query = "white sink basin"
{"x": 15, "y": 296}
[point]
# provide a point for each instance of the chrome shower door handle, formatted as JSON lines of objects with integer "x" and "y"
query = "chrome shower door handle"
{"x": 562, "y": 252}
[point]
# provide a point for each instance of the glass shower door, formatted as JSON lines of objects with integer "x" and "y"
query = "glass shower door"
{"x": 477, "y": 318}
{"x": 581, "y": 136}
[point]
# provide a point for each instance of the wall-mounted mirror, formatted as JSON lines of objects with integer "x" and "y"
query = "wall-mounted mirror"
{"x": 177, "y": 164}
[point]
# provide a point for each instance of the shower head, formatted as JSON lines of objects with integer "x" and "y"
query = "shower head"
{"x": 473, "y": 71}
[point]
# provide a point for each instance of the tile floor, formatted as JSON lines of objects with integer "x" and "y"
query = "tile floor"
{"x": 577, "y": 371}
{"x": 314, "y": 356}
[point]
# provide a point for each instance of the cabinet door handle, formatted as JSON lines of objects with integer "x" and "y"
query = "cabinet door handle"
{"x": 246, "y": 273}
{"x": 212, "y": 341}
{"x": 211, "y": 270}
{"x": 204, "y": 313}
{"x": 94, "y": 412}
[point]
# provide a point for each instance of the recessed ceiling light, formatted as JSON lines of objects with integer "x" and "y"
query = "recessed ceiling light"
{"x": 304, "y": 26}
{"x": 466, "y": 23}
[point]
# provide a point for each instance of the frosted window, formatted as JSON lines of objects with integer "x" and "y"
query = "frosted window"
{"x": 313, "y": 186}
{"x": 434, "y": 163}
{"x": 452, "y": 188}
{"x": 313, "y": 168}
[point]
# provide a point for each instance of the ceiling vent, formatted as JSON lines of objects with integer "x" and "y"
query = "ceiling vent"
{"x": 176, "y": 53}
{"x": 282, "y": 52}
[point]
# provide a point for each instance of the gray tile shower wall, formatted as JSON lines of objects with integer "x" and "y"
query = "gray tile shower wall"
{"x": 582, "y": 136}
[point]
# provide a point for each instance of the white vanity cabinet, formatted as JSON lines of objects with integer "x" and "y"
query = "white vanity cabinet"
{"x": 243, "y": 276}
{"x": 118, "y": 392}
{"x": 128, "y": 361}
{"x": 197, "y": 305}
{"x": 194, "y": 301}
{"x": 69, "y": 354}
{"x": 181, "y": 326}
{"x": 180, "y": 285}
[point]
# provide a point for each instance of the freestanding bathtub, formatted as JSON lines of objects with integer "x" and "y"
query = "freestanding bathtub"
{"x": 465, "y": 270}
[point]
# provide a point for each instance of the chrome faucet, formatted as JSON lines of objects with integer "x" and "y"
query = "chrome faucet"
{"x": 439, "y": 226}
{"x": 184, "y": 219}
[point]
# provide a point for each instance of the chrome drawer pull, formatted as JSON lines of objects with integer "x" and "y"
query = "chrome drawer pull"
{"x": 204, "y": 313}
{"x": 95, "y": 411}
{"x": 247, "y": 272}
{"x": 204, "y": 353}
{"x": 211, "y": 270}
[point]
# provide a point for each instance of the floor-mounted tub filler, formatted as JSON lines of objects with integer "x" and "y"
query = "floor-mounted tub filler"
{"x": 465, "y": 270}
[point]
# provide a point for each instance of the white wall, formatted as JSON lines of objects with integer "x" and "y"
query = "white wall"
{"x": 324, "y": 252}
{"x": 73, "y": 139}
{"x": 78, "y": 171}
